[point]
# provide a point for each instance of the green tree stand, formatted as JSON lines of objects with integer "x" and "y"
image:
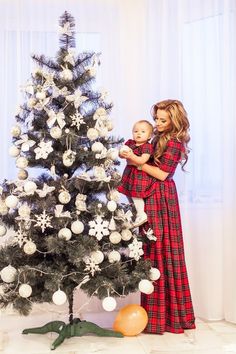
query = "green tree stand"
{"x": 75, "y": 329}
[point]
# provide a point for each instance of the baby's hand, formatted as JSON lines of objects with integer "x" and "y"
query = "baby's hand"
{"x": 124, "y": 150}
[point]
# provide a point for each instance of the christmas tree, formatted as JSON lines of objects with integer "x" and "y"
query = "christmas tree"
{"x": 68, "y": 229}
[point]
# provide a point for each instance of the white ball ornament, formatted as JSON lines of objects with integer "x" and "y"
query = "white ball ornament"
{"x": 92, "y": 134}
{"x": 22, "y": 174}
{"x": 21, "y": 162}
{"x": 31, "y": 102}
{"x": 65, "y": 234}
{"x": 11, "y": 201}
{"x": 55, "y": 132}
{"x": 124, "y": 148}
{"x": 126, "y": 235}
{"x": 25, "y": 290}
{"x": 109, "y": 125}
{"x": 114, "y": 195}
{"x": 64, "y": 197}
{"x": 59, "y": 297}
{"x": 8, "y": 274}
{"x": 97, "y": 146}
{"x": 29, "y": 247}
{"x": 14, "y": 151}
{"x": 3, "y": 230}
{"x": 146, "y": 286}
{"x": 77, "y": 227}
{"x": 3, "y": 208}
{"x": 24, "y": 211}
{"x": 112, "y": 153}
{"x": 154, "y": 274}
{"x": 115, "y": 237}
{"x": 114, "y": 256}
{"x": 16, "y": 131}
{"x": 66, "y": 74}
{"x": 68, "y": 158}
{"x": 30, "y": 187}
{"x": 111, "y": 205}
{"x": 97, "y": 256}
{"x": 109, "y": 303}
{"x": 40, "y": 95}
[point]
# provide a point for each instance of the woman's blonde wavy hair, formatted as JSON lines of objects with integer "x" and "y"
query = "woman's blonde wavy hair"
{"x": 179, "y": 128}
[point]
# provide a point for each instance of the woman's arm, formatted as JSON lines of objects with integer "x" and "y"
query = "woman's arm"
{"x": 153, "y": 171}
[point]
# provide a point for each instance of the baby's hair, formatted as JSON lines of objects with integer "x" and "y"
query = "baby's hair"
{"x": 146, "y": 122}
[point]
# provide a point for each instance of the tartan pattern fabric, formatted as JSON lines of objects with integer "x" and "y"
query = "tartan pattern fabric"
{"x": 169, "y": 307}
{"x": 135, "y": 183}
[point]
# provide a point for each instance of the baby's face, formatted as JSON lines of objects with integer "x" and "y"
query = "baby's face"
{"x": 141, "y": 133}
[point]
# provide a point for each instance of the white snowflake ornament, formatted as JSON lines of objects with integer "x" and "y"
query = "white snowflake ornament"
{"x": 43, "y": 150}
{"x": 43, "y": 220}
{"x": 136, "y": 250}
{"x": 99, "y": 227}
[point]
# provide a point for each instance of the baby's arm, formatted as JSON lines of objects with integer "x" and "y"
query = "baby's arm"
{"x": 139, "y": 160}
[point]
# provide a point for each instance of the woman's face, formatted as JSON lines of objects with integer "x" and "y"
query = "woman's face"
{"x": 162, "y": 120}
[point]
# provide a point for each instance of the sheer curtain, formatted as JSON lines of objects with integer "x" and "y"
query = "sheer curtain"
{"x": 152, "y": 50}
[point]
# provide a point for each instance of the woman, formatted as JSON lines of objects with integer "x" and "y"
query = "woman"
{"x": 169, "y": 307}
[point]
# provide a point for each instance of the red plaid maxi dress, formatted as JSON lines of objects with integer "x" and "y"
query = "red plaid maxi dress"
{"x": 135, "y": 183}
{"x": 169, "y": 307}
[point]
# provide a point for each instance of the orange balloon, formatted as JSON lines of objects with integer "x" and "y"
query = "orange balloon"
{"x": 131, "y": 320}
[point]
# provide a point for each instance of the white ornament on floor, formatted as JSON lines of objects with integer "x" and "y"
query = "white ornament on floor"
{"x": 109, "y": 303}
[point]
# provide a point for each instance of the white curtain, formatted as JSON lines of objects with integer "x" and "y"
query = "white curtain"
{"x": 152, "y": 50}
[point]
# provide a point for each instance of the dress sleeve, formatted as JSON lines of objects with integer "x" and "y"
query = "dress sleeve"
{"x": 171, "y": 157}
{"x": 147, "y": 149}
{"x": 130, "y": 143}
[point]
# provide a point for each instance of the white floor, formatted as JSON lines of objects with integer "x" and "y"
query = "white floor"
{"x": 209, "y": 338}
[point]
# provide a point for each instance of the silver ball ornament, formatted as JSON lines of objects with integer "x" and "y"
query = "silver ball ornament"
{"x": 22, "y": 174}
